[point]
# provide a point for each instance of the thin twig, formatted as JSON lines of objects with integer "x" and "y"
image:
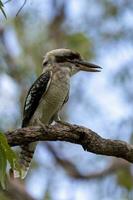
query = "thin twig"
{"x": 6, "y": 2}
{"x": 21, "y": 7}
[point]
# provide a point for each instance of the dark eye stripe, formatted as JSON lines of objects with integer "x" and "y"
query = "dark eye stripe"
{"x": 72, "y": 56}
{"x": 60, "y": 59}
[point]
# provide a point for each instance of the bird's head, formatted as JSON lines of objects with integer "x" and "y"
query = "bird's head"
{"x": 66, "y": 58}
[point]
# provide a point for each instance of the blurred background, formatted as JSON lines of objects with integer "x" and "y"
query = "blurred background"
{"x": 102, "y": 31}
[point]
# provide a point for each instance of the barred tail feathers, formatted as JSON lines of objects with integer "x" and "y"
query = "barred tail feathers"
{"x": 26, "y": 155}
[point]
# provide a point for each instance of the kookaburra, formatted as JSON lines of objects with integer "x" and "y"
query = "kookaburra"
{"x": 50, "y": 92}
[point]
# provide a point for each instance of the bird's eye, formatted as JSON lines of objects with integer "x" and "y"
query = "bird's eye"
{"x": 60, "y": 59}
{"x": 45, "y": 63}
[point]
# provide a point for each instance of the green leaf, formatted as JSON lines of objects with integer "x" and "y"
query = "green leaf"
{"x": 8, "y": 151}
{"x": 3, "y": 164}
{"x": 2, "y": 10}
{"x": 7, "y": 154}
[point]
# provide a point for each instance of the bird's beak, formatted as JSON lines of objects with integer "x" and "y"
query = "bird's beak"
{"x": 89, "y": 67}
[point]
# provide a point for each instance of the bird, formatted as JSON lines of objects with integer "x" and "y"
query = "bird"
{"x": 49, "y": 93}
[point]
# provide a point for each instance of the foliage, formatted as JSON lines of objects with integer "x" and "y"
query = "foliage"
{"x": 80, "y": 43}
{"x": 6, "y": 154}
{"x": 125, "y": 179}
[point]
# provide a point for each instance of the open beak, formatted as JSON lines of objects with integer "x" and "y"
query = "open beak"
{"x": 89, "y": 67}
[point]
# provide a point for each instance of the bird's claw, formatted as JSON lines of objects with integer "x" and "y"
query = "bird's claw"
{"x": 41, "y": 124}
{"x": 62, "y": 122}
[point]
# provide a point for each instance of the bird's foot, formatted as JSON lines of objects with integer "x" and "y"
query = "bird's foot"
{"x": 43, "y": 126}
{"x": 62, "y": 122}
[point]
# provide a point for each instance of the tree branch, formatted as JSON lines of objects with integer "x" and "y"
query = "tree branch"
{"x": 16, "y": 191}
{"x": 72, "y": 170}
{"x": 88, "y": 139}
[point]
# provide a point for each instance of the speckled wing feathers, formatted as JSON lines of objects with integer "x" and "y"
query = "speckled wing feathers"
{"x": 37, "y": 90}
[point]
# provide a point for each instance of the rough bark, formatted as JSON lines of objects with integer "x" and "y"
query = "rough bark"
{"x": 88, "y": 139}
